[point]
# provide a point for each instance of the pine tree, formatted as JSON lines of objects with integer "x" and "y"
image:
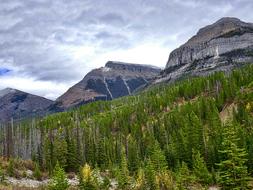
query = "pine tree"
{"x": 101, "y": 154}
{"x": 72, "y": 160}
{"x": 184, "y": 177}
{"x": 158, "y": 158}
{"x": 60, "y": 152}
{"x": 232, "y": 169}
{"x": 48, "y": 152}
{"x": 133, "y": 157}
{"x": 150, "y": 175}
{"x": 165, "y": 180}
{"x": 59, "y": 180}
{"x": 123, "y": 177}
{"x": 140, "y": 180}
{"x": 199, "y": 168}
{"x": 194, "y": 136}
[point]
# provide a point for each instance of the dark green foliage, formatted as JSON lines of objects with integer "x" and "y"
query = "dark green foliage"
{"x": 72, "y": 157}
{"x": 200, "y": 170}
{"x": 233, "y": 172}
{"x": 106, "y": 184}
{"x": 150, "y": 175}
{"x": 37, "y": 173}
{"x": 122, "y": 175}
{"x": 157, "y": 158}
{"x": 11, "y": 168}
{"x": 133, "y": 154}
{"x": 59, "y": 179}
{"x": 2, "y": 175}
{"x": 184, "y": 177}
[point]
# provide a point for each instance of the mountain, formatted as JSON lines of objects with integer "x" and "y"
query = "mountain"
{"x": 222, "y": 46}
{"x": 115, "y": 80}
{"x": 17, "y": 104}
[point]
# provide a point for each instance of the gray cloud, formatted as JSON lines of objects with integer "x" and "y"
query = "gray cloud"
{"x": 59, "y": 41}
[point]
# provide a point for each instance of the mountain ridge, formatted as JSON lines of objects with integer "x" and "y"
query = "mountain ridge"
{"x": 221, "y": 46}
{"x": 114, "y": 80}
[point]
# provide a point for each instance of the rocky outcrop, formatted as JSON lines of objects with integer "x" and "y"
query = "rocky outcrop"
{"x": 115, "y": 80}
{"x": 17, "y": 104}
{"x": 144, "y": 69}
{"x": 226, "y": 44}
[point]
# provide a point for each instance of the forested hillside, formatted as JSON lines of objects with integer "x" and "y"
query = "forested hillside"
{"x": 191, "y": 134}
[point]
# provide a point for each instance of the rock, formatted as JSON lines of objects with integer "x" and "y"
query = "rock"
{"x": 214, "y": 188}
{"x": 29, "y": 173}
{"x": 30, "y": 183}
{"x": 115, "y": 80}
{"x": 73, "y": 182}
{"x": 25, "y": 182}
{"x": 17, "y": 104}
{"x": 222, "y": 46}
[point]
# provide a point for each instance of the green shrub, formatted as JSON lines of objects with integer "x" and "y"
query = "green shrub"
{"x": 2, "y": 175}
{"x": 10, "y": 168}
{"x": 59, "y": 180}
{"x": 37, "y": 173}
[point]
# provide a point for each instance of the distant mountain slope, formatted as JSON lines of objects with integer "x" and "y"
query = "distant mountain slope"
{"x": 17, "y": 104}
{"x": 222, "y": 46}
{"x": 115, "y": 80}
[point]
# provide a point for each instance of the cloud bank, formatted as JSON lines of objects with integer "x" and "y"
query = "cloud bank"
{"x": 46, "y": 46}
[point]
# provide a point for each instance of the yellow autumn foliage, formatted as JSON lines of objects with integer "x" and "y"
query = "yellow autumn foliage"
{"x": 86, "y": 172}
{"x": 140, "y": 181}
{"x": 249, "y": 106}
{"x": 165, "y": 180}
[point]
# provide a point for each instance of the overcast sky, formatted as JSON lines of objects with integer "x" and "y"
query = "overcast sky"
{"x": 48, "y": 45}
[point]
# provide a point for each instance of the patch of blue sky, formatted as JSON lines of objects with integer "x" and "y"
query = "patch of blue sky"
{"x": 4, "y": 71}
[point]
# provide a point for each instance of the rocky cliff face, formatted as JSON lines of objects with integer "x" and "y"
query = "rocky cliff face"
{"x": 115, "y": 80}
{"x": 17, "y": 104}
{"x": 226, "y": 44}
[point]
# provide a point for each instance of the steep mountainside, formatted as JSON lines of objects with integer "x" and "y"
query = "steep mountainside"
{"x": 226, "y": 44}
{"x": 115, "y": 80}
{"x": 17, "y": 104}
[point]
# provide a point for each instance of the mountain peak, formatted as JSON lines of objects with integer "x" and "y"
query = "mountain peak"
{"x": 117, "y": 65}
{"x": 7, "y": 91}
{"x": 221, "y": 46}
{"x": 219, "y": 28}
{"x": 229, "y": 19}
{"x": 115, "y": 80}
{"x": 17, "y": 104}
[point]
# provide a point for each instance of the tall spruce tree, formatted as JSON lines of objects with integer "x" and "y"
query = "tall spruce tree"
{"x": 122, "y": 175}
{"x": 233, "y": 172}
{"x": 150, "y": 175}
{"x": 199, "y": 168}
{"x": 184, "y": 177}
